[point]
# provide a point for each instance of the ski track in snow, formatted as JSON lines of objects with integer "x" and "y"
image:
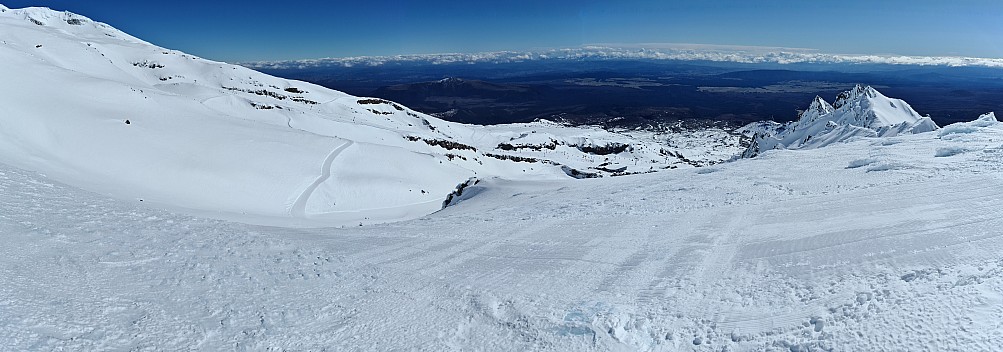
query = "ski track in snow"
{"x": 298, "y": 208}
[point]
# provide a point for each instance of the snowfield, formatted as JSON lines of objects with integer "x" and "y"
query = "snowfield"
{"x": 872, "y": 242}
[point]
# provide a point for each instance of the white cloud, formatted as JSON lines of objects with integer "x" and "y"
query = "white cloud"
{"x": 682, "y": 52}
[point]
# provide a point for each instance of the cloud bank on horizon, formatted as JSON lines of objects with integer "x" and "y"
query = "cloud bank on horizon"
{"x": 678, "y": 52}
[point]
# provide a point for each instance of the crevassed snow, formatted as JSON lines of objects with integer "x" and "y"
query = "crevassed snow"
{"x": 896, "y": 253}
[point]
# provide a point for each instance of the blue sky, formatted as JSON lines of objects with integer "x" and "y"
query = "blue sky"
{"x": 268, "y": 30}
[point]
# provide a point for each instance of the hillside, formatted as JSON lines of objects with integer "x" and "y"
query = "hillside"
{"x": 97, "y": 108}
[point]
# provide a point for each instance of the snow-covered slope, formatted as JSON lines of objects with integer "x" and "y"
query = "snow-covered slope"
{"x": 865, "y": 245}
{"x": 871, "y": 245}
{"x": 860, "y": 112}
{"x": 94, "y": 107}
{"x": 769, "y": 128}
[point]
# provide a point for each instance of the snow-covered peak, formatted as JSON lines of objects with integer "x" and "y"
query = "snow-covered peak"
{"x": 78, "y": 26}
{"x": 818, "y": 108}
{"x": 451, "y": 80}
{"x": 820, "y": 105}
{"x": 861, "y": 111}
{"x": 865, "y": 106}
{"x": 856, "y": 94}
{"x": 42, "y": 16}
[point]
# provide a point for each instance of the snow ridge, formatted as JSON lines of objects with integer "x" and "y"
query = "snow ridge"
{"x": 818, "y": 108}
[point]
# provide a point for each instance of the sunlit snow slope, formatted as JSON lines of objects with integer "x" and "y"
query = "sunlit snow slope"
{"x": 94, "y": 107}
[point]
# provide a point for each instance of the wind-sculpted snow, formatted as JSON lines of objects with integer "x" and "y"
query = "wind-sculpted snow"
{"x": 898, "y": 252}
{"x": 680, "y": 52}
{"x": 94, "y": 107}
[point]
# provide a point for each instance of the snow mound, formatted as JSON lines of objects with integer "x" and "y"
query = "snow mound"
{"x": 986, "y": 120}
{"x": 860, "y": 163}
{"x": 949, "y": 151}
{"x": 960, "y": 128}
{"x": 859, "y": 112}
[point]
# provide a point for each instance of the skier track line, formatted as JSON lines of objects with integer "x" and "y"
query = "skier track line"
{"x": 299, "y": 207}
